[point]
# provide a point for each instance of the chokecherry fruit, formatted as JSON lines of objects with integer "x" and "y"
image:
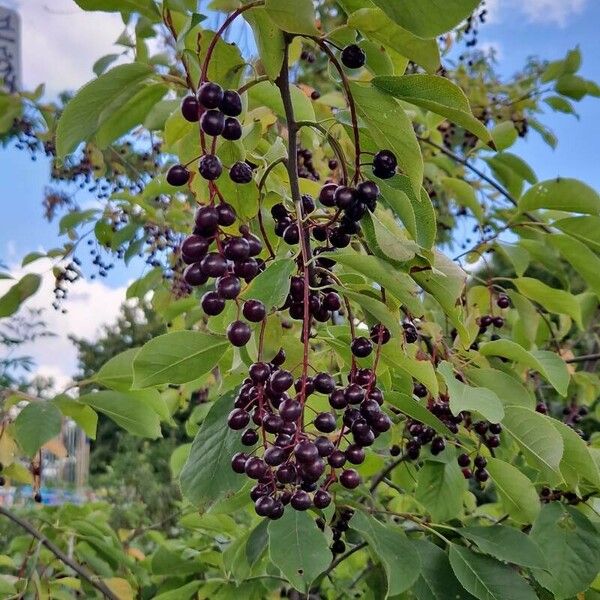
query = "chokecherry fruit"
{"x": 212, "y": 304}
{"x": 226, "y": 214}
{"x": 190, "y": 109}
{"x": 241, "y": 172}
{"x": 194, "y": 247}
{"x": 178, "y": 175}
{"x": 327, "y": 194}
{"x": 194, "y": 275}
{"x": 350, "y": 479}
{"x": 231, "y": 103}
{"x": 232, "y": 130}
{"x": 254, "y": 311}
{"x": 361, "y": 347}
{"x": 210, "y": 95}
{"x": 212, "y": 122}
{"x": 353, "y": 56}
{"x": 210, "y": 167}
{"x": 238, "y": 333}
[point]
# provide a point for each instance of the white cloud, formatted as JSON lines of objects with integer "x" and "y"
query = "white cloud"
{"x": 61, "y": 42}
{"x": 90, "y": 304}
{"x": 557, "y": 12}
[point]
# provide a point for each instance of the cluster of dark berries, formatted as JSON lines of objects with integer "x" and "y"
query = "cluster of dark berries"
{"x": 320, "y": 303}
{"x": 385, "y": 164}
{"x": 232, "y": 260}
{"x": 306, "y": 167}
{"x": 293, "y": 460}
{"x": 64, "y": 276}
{"x": 573, "y": 415}
{"x": 479, "y": 463}
{"x": 216, "y": 109}
{"x": 548, "y": 495}
{"x": 339, "y": 526}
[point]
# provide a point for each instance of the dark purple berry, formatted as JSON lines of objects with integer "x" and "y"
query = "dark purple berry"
{"x": 300, "y": 500}
{"x": 281, "y": 381}
{"x": 190, "y": 109}
{"x": 385, "y": 160}
{"x": 226, "y": 214}
{"x": 210, "y": 167}
{"x": 322, "y": 499}
{"x": 213, "y": 264}
{"x": 380, "y": 333}
{"x": 212, "y": 304}
{"x": 237, "y": 249}
{"x": 291, "y": 234}
{"x": 361, "y": 347}
{"x": 353, "y": 56}
{"x": 463, "y": 460}
{"x": 212, "y": 122}
{"x": 254, "y": 311}
{"x": 231, "y": 104}
{"x": 238, "y": 333}
{"x": 194, "y": 248}
{"x": 232, "y": 130}
{"x": 178, "y": 175}
{"x": 481, "y": 475}
{"x": 337, "y": 459}
{"x": 355, "y": 454}
{"x": 241, "y": 172}
{"x": 249, "y": 437}
{"x": 194, "y": 275}
{"x": 503, "y": 302}
{"x": 367, "y": 191}
{"x": 238, "y": 462}
{"x": 344, "y": 196}
{"x": 228, "y": 287}
{"x": 354, "y": 394}
{"x": 325, "y": 422}
{"x": 306, "y": 452}
{"x": 264, "y": 506}
{"x": 327, "y": 194}
{"x": 324, "y": 446}
{"x": 350, "y": 479}
{"x": 238, "y": 419}
{"x": 324, "y": 383}
{"x": 210, "y": 95}
{"x": 255, "y": 468}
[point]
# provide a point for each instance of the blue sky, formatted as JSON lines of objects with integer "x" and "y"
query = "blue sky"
{"x": 61, "y": 44}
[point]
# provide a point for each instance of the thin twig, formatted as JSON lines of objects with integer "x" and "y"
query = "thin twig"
{"x": 79, "y": 569}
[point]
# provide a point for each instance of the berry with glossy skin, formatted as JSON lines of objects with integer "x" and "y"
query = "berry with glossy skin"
{"x": 338, "y": 400}
{"x": 325, "y": 446}
{"x": 380, "y": 334}
{"x": 327, "y": 194}
{"x": 339, "y": 239}
{"x": 322, "y": 499}
{"x": 259, "y": 372}
{"x": 241, "y": 172}
{"x": 325, "y": 422}
{"x": 194, "y": 248}
{"x": 254, "y": 311}
{"x": 212, "y": 122}
{"x": 355, "y": 454}
{"x": 503, "y": 302}
{"x": 249, "y": 437}
{"x": 354, "y": 394}
{"x": 480, "y": 462}
{"x": 481, "y": 475}
{"x": 291, "y": 235}
{"x": 213, "y": 264}
{"x": 238, "y": 419}
{"x": 231, "y": 104}
{"x": 232, "y": 130}
{"x": 228, "y": 287}
{"x": 226, "y": 214}
{"x": 437, "y": 445}
{"x": 324, "y": 383}
{"x": 264, "y": 506}
{"x": 300, "y": 500}
{"x": 281, "y": 381}
{"x": 255, "y": 468}
{"x": 210, "y": 167}
{"x": 308, "y": 204}
{"x": 337, "y": 459}
{"x": 498, "y": 322}
{"x": 367, "y": 191}
{"x": 463, "y": 460}
{"x": 212, "y": 304}
{"x": 190, "y": 109}
{"x": 237, "y": 249}
{"x": 361, "y": 347}
{"x": 306, "y": 452}
{"x": 385, "y": 160}
{"x": 238, "y": 462}
{"x": 332, "y": 301}
{"x": 353, "y": 57}
{"x": 238, "y": 333}
{"x": 207, "y": 220}
{"x": 194, "y": 275}
{"x": 344, "y": 196}
{"x": 210, "y": 95}
{"x": 350, "y": 479}
{"x": 178, "y": 175}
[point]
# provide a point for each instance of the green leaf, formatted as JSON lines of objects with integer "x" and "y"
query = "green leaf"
{"x": 561, "y": 194}
{"x": 440, "y": 489}
{"x": 380, "y": 311}
{"x": 184, "y": 592}
{"x": 267, "y": 94}
{"x": 386, "y": 239}
{"x": 585, "y": 229}
{"x": 466, "y": 398}
{"x": 486, "y": 578}
{"x": 121, "y": 119}
{"x": 553, "y": 300}
{"x": 464, "y": 194}
{"x": 83, "y": 415}
{"x": 243, "y": 198}
{"x": 176, "y": 357}
{"x": 74, "y": 218}
{"x": 117, "y": 373}
{"x": 401, "y": 564}
{"x": 541, "y": 444}
{"x": 428, "y": 18}
{"x": 26, "y": 287}
{"x": 581, "y": 258}
{"x": 103, "y": 63}
{"x": 509, "y": 389}
{"x": 298, "y": 548}
{"x": 390, "y": 128}
{"x": 375, "y": 269}
{"x": 518, "y": 494}
{"x": 36, "y": 424}
{"x": 421, "y": 370}
{"x": 409, "y": 406}
{"x": 507, "y": 544}
{"x": 207, "y": 474}
{"x": 144, "y": 7}
{"x": 560, "y": 104}
{"x": 272, "y": 286}
{"x": 437, "y": 94}
{"x": 269, "y": 40}
{"x": 376, "y": 26}
{"x": 295, "y": 17}
{"x": 548, "y": 364}
{"x": 445, "y": 284}
{"x": 505, "y": 135}
{"x": 573, "y": 86}
{"x": 81, "y": 118}
{"x": 576, "y": 462}
{"x": 571, "y": 546}
{"x": 437, "y": 581}
{"x": 133, "y": 411}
